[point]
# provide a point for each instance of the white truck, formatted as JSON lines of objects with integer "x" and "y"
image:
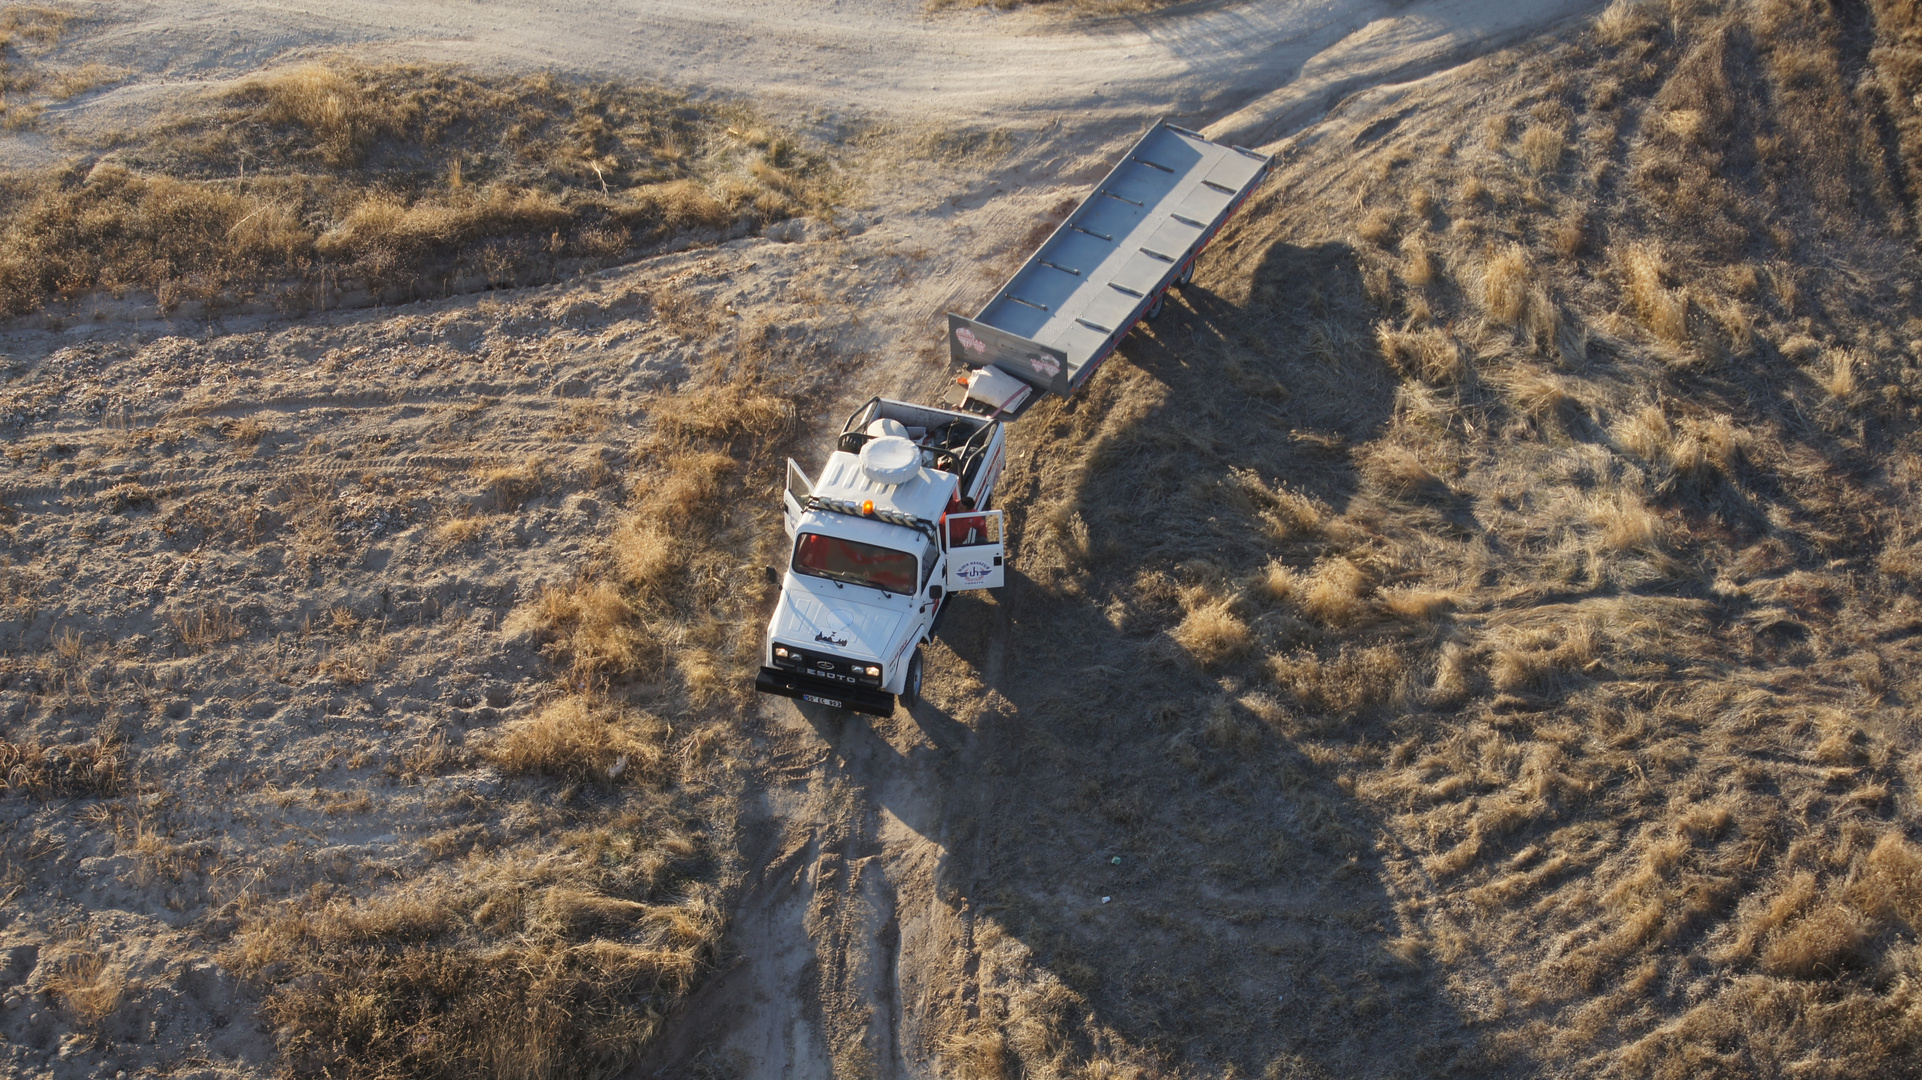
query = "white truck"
{"x": 901, "y": 519}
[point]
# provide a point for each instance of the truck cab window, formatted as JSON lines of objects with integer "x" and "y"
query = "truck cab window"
{"x": 967, "y": 530}
{"x": 853, "y": 562}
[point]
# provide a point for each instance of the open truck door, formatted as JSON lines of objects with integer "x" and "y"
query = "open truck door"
{"x": 976, "y": 550}
{"x": 794, "y": 499}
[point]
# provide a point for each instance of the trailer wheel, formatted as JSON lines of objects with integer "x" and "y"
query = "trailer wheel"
{"x": 1154, "y": 309}
{"x": 1187, "y": 275}
{"x": 911, "y": 689}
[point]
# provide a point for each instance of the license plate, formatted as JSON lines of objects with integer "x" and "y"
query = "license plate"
{"x": 829, "y": 702}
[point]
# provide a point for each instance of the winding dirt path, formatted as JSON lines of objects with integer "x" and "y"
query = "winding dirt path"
{"x": 888, "y": 57}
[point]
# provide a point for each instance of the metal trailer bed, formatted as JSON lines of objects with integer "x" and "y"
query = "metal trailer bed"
{"x": 1105, "y": 267}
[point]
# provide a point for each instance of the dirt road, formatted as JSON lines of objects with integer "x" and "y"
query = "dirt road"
{"x": 884, "y": 57}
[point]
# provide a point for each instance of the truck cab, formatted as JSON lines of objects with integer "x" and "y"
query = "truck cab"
{"x": 897, "y": 523}
{"x": 900, "y": 520}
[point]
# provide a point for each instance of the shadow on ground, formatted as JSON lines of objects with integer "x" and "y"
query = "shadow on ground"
{"x": 1206, "y": 890}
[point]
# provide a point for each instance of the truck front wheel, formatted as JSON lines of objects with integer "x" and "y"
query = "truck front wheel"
{"x": 911, "y": 687}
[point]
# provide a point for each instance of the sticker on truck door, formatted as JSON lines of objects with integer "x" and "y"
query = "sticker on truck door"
{"x": 977, "y": 554}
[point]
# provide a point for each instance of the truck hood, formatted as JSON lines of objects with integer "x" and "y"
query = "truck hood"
{"x": 837, "y": 623}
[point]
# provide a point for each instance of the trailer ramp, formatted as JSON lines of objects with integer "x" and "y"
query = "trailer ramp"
{"x": 1070, "y": 304}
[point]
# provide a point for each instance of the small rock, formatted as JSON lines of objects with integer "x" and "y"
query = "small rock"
{"x": 790, "y": 231}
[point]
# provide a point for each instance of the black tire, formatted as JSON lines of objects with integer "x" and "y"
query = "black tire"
{"x": 910, "y": 695}
{"x": 1154, "y": 309}
{"x": 1187, "y": 275}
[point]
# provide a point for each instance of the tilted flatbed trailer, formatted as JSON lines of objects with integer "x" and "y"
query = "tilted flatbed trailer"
{"x": 900, "y": 518}
{"x": 1106, "y": 268}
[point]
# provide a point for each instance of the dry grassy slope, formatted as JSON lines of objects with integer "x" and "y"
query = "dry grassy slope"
{"x": 1481, "y": 617}
{"x": 340, "y": 183}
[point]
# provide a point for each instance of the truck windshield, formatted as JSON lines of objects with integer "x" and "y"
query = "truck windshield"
{"x": 854, "y": 562}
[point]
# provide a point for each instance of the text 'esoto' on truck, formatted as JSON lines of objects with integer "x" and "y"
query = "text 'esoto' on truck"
{"x": 901, "y": 518}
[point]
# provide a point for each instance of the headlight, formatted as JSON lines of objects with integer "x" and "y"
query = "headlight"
{"x": 871, "y": 671}
{"x": 781, "y": 651}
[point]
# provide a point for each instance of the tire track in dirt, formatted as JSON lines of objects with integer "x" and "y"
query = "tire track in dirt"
{"x": 192, "y": 481}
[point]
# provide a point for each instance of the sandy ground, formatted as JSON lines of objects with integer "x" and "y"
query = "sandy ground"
{"x": 1263, "y": 66}
{"x": 266, "y": 553}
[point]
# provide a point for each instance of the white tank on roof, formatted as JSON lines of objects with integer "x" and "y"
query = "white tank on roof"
{"x": 890, "y": 459}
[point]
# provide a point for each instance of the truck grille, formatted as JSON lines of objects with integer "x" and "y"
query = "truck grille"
{"x": 824, "y": 666}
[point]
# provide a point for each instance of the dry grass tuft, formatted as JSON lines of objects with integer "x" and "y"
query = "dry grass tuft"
{"x": 1278, "y": 581}
{"x": 1420, "y": 267}
{"x": 602, "y": 636}
{"x": 1350, "y": 681}
{"x": 1838, "y": 376}
{"x": 1625, "y": 20}
{"x": 95, "y": 769}
{"x": 1539, "y": 396}
{"x": 1662, "y": 310}
{"x": 1211, "y": 632}
{"x": 1505, "y": 284}
{"x": 1378, "y": 228}
{"x": 92, "y": 990}
{"x": 573, "y": 739}
{"x": 1400, "y": 472}
{"x": 1625, "y": 524}
{"x": 1417, "y": 604}
{"x": 455, "y": 531}
{"x": 1336, "y": 593}
{"x": 1542, "y": 146}
{"x": 981, "y": 1055}
{"x": 511, "y": 487}
{"x": 206, "y": 627}
{"x": 1431, "y": 355}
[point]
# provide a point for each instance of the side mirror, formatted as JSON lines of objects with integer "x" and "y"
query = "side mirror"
{"x": 935, "y": 592}
{"x": 773, "y": 575}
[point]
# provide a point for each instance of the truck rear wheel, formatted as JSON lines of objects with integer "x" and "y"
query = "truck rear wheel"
{"x": 911, "y": 688}
{"x": 1187, "y": 275}
{"x": 1154, "y": 309}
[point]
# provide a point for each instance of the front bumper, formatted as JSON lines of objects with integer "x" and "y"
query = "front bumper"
{"x": 822, "y": 692}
